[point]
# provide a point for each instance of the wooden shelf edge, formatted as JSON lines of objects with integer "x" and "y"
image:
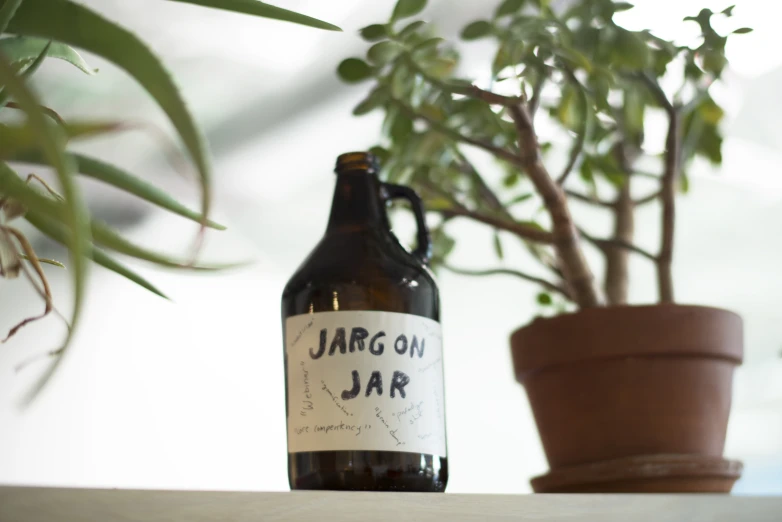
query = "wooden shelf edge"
{"x": 30, "y": 504}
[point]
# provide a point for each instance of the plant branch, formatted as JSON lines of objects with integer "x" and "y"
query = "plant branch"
{"x": 456, "y": 136}
{"x": 668, "y": 196}
{"x": 647, "y": 199}
{"x": 548, "y": 285}
{"x": 534, "y": 101}
{"x": 657, "y": 92}
{"x": 589, "y": 199}
{"x": 473, "y": 91}
{"x": 604, "y": 244}
{"x": 522, "y": 230}
{"x": 575, "y": 269}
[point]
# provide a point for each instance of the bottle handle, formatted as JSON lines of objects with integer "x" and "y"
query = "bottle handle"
{"x": 423, "y": 249}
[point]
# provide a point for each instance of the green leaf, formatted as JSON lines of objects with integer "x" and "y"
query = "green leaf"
{"x": 476, "y": 30}
{"x": 439, "y": 67}
{"x": 743, "y": 30}
{"x": 52, "y": 145}
{"x": 575, "y": 57}
{"x": 519, "y": 199}
{"x": 498, "y": 246}
{"x": 728, "y": 11}
{"x": 407, "y": 8}
{"x": 15, "y": 139}
{"x": 401, "y": 128}
{"x": 709, "y": 111}
{"x": 622, "y": 6}
{"x": 255, "y": 8}
{"x": 383, "y": 52}
{"x": 714, "y": 61}
{"x": 544, "y": 299}
{"x": 684, "y": 183}
{"x": 633, "y": 110}
{"x": 630, "y": 51}
{"x": 354, "y": 70}
{"x": 376, "y": 98}
{"x": 410, "y": 29}
{"x": 53, "y": 230}
{"x": 109, "y": 238}
{"x": 23, "y": 51}
{"x": 508, "y": 7}
{"x": 125, "y": 182}
{"x": 382, "y": 154}
{"x": 587, "y": 175}
{"x": 373, "y": 32}
{"x": 427, "y": 44}
{"x": 76, "y": 25}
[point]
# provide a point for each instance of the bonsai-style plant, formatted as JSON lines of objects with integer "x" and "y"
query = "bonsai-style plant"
{"x": 594, "y": 86}
{"x": 32, "y": 31}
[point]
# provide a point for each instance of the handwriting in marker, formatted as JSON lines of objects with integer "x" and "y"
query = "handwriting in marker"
{"x": 393, "y": 434}
{"x": 301, "y": 332}
{"x": 335, "y": 399}
{"x": 379, "y": 415}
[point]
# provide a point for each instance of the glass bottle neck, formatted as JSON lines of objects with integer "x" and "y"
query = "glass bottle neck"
{"x": 357, "y": 204}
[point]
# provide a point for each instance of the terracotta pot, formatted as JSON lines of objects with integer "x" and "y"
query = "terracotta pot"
{"x": 608, "y": 383}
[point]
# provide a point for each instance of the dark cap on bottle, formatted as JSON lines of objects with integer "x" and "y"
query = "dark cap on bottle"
{"x": 357, "y": 161}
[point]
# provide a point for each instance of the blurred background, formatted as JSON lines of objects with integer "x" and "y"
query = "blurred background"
{"x": 189, "y": 394}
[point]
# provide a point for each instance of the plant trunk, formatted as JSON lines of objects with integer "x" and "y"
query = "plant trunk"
{"x": 617, "y": 275}
{"x": 567, "y": 243}
{"x": 668, "y": 197}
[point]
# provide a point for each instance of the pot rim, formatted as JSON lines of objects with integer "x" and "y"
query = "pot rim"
{"x": 658, "y": 330}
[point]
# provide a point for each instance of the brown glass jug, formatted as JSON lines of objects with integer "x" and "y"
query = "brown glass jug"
{"x": 363, "y": 349}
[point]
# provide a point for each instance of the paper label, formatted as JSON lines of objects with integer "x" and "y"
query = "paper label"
{"x": 366, "y": 381}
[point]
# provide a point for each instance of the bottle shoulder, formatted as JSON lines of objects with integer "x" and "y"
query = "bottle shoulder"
{"x": 361, "y": 271}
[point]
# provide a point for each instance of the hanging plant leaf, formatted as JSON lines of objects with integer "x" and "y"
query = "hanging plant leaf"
{"x": 76, "y": 25}
{"x": 256, "y": 8}
{"x": 21, "y": 51}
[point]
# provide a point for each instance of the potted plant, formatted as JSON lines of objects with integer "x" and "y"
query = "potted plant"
{"x": 625, "y": 397}
{"x": 32, "y": 31}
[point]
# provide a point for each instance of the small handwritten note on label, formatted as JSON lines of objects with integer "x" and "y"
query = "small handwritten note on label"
{"x": 368, "y": 381}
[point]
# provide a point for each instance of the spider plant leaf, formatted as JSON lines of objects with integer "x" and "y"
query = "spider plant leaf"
{"x": 112, "y": 240}
{"x": 23, "y": 50}
{"x": 255, "y": 8}
{"x": 25, "y": 138}
{"x": 52, "y": 143}
{"x": 125, "y": 181}
{"x": 74, "y": 24}
{"x": 57, "y": 233}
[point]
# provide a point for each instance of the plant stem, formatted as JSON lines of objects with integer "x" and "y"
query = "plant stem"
{"x": 588, "y": 199}
{"x": 602, "y": 244}
{"x": 668, "y": 197}
{"x": 617, "y": 276}
{"x": 648, "y": 199}
{"x": 548, "y": 285}
{"x": 574, "y": 267}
